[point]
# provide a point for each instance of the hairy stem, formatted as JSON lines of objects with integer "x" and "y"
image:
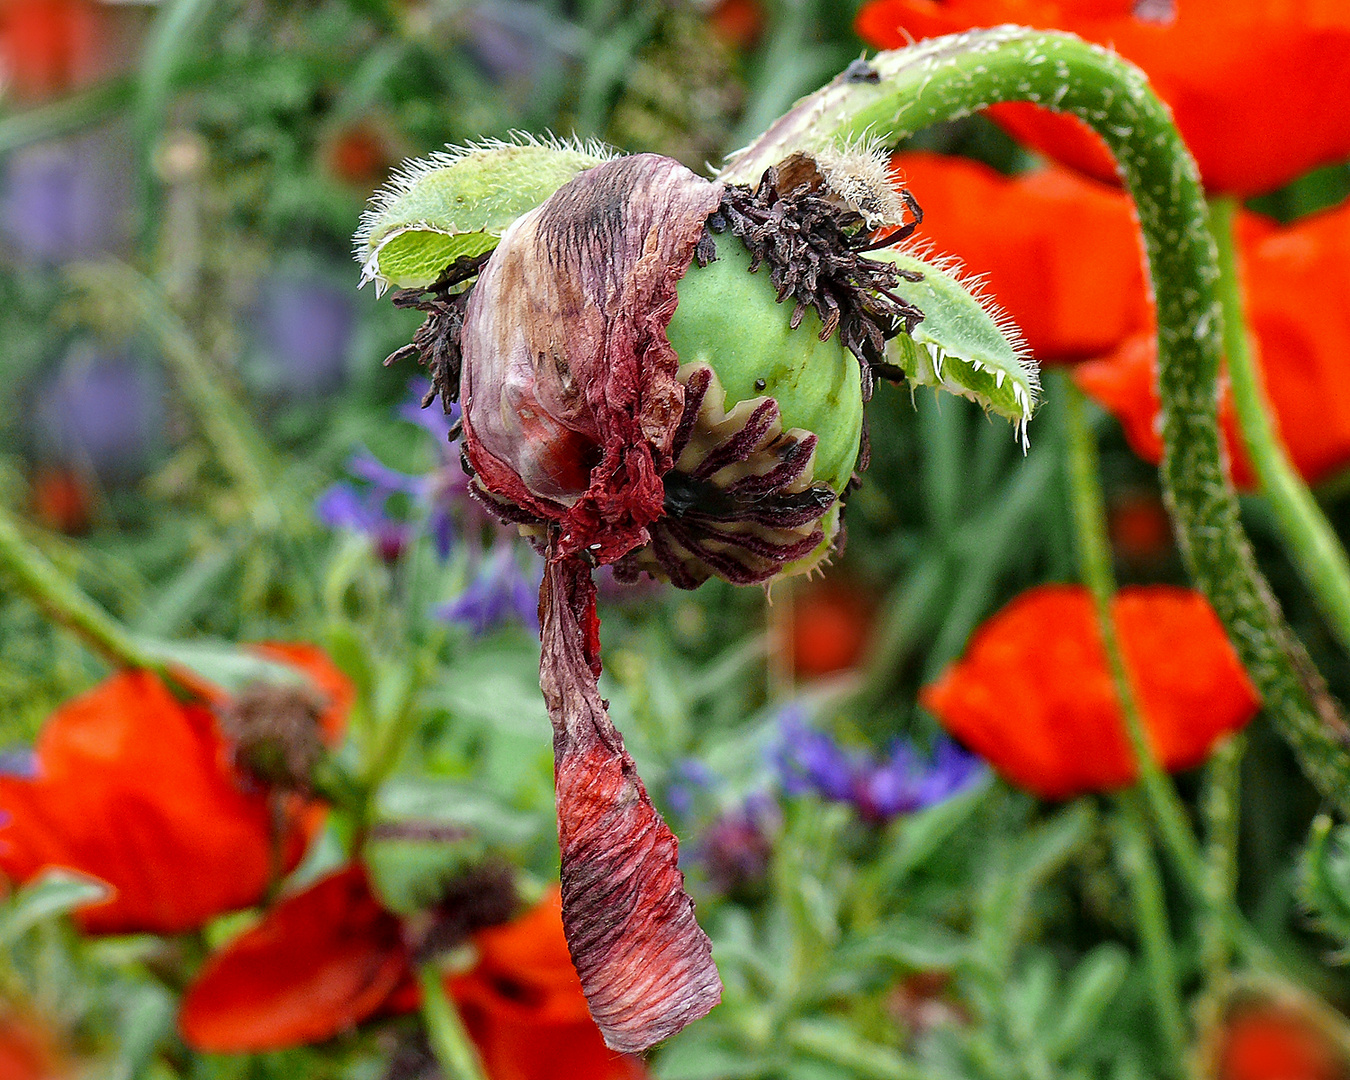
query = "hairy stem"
{"x": 949, "y": 77}
{"x": 455, "y": 1054}
{"x": 1308, "y": 536}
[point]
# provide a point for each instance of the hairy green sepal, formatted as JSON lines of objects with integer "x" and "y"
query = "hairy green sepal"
{"x": 458, "y": 204}
{"x": 964, "y": 345}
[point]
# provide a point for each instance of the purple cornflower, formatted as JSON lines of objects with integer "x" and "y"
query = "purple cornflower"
{"x": 810, "y": 762}
{"x": 688, "y": 781}
{"x": 437, "y": 496}
{"x": 305, "y": 324}
{"x": 735, "y": 850}
{"x": 501, "y": 593}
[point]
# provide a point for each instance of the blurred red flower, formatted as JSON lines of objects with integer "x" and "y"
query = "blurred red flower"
{"x": 1226, "y": 67}
{"x": 1033, "y": 693}
{"x": 48, "y": 46}
{"x": 28, "y": 1049}
{"x": 831, "y": 622}
{"x": 522, "y": 1004}
{"x": 136, "y": 788}
{"x": 1059, "y": 252}
{"x": 1270, "y": 1043}
{"x": 318, "y": 963}
{"x": 325, "y": 959}
{"x": 1297, "y": 293}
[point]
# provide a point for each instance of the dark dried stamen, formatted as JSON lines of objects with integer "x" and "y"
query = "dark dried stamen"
{"x": 815, "y": 250}
{"x": 437, "y": 341}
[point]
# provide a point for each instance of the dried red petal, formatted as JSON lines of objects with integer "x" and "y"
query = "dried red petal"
{"x": 645, "y": 964}
{"x": 569, "y": 385}
{"x": 320, "y": 962}
{"x": 1033, "y": 694}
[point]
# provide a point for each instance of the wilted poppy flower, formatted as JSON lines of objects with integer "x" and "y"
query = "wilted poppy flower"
{"x": 1060, "y": 252}
{"x": 1224, "y": 66}
{"x": 136, "y": 788}
{"x": 1034, "y": 697}
{"x": 523, "y": 1005}
{"x": 1296, "y": 284}
{"x": 320, "y": 962}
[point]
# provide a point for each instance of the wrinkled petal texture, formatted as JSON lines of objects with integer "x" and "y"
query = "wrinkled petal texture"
{"x": 319, "y": 962}
{"x": 645, "y": 964}
{"x": 1250, "y": 83}
{"x": 1296, "y": 284}
{"x": 523, "y": 1005}
{"x": 136, "y": 788}
{"x": 1059, "y": 252}
{"x": 569, "y": 385}
{"x": 1033, "y": 694}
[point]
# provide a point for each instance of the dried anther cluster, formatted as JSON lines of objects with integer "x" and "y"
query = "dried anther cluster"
{"x": 609, "y": 416}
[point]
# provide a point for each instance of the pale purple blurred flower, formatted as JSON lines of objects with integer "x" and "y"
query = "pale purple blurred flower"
{"x": 363, "y": 511}
{"x": 65, "y": 200}
{"x": 19, "y": 761}
{"x": 687, "y": 781}
{"x": 810, "y": 762}
{"x": 102, "y": 412}
{"x": 502, "y": 593}
{"x": 736, "y": 849}
{"x": 305, "y": 324}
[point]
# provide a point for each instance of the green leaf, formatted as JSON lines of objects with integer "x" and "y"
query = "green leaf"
{"x": 458, "y": 203}
{"x": 1092, "y": 987}
{"x": 965, "y": 344}
{"x": 1324, "y": 878}
{"x": 222, "y": 664}
{"x": 54, "y": 892}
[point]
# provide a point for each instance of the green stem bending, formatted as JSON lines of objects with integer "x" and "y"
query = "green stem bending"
{"x": 1308, "y": 536}
{"x": 445, "y": 1030}
{"x": 64, "y": 601}
{"x": 950, "y": 77}
{"x": 1220, "y": 805}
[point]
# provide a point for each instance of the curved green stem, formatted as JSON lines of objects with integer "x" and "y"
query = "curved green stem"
{"x": 1221, "y": 805}
{"x": 1308, "y": 536}
{"x": 949, "y": 77}
{"x": 64, "y": 601}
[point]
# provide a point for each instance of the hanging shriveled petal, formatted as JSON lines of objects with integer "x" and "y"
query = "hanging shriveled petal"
{"x": 1033, "y": 694}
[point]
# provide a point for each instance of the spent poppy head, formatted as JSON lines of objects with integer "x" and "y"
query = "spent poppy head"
{"x": 135, "y": 787}
{"x": 1034, "y": 697}
{"x": 1223, "y": 66}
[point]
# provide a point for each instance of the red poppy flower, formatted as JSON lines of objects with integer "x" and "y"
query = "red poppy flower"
{"x": 48, "y": 46}
{"x": 135, "y": 787}
{"x": 1033, "y": 694}
{"x": 1224, "y": 66}
{"x": 1272, "y": 1043}
{"x": 1297, "y": 293}
{"x": 325, "y": 959}
{"x": 28, "y": 1050}
{"x": 1060, "y": 253}
{"x": 523, "y": 1005}
{"x": 320, "y": 962}
{"x": 831, "y": 621}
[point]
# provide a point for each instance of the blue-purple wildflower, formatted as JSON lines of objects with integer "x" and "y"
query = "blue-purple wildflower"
{"x": 736, "y": 849}
{"x": 810, "y": 762}
{"x": 502, "y": 593}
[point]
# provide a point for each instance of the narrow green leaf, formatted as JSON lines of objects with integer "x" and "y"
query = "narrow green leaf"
{"x": 54, "y": 892}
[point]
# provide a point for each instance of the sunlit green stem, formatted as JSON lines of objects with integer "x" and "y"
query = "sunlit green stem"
{"x": 1308, "y": 536}
{"x": 445, "y": 1030}
{"x": 65, "y": 602}
{"x": 1155, "y": 937}
{"x": 945, "y": 78}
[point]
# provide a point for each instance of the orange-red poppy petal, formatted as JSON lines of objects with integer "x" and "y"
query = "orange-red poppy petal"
{"x": 320, "y": 962}
{"x": 1297, "y": 293}
{"x": 523, "y": 1005}
{"x": 1061, "y": 254}
{"x": 1033, "y": 694}
{"x": 132, "y": 788}
{"x": 1224, "y": 66}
